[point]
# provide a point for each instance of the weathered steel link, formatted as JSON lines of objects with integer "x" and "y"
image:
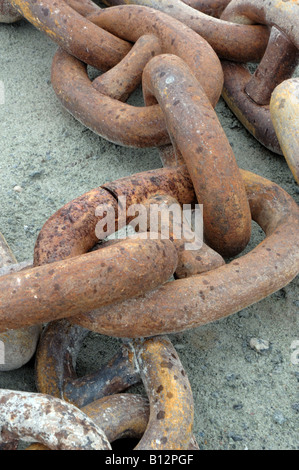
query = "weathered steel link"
{"x": 210, "y": 296}
{"x": 19, "y": 345}
{"x": 284, "y": 108}
{"x": 242, "y": 43}
{"x": 121, "y": 416}
{"x": 255, "y": 118}
{"x": 74, "y": 32}
{"x": 55, "y": 367}
{"x": 175, "y": 38}
{"x": 169, "y": 392}
{"x": 278, "y": 64}
{"x": 130, "y": 22}
{"x": 8, "y": 14}
{"x": 154, "y": 361}
{"x": 190, "y": 262}
{"x": 47, "y": 293}
{"x": 280, "y": 13}
{"x": 195, "y": 130}
{"x": 48, "y": 420}
{"x": 119, "y": 122}
{"x": 71, "y": 230}
{"x": 120, "y": 81}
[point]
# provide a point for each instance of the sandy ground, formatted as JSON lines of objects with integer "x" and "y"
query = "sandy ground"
{"x": 243, "y": 399}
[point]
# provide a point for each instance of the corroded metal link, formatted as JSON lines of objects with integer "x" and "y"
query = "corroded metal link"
{"x": 18, "y": 345}
{"x": 209, "y": 7}
{"x": 248, "y": 96}
{"x": 284, "y": 108}
{"x": 190, "y": 261}
{"x": 119, "y": 416}
{"x": 70, "y": 231}
{"x": 120, "y": 81}
{"x": 169, "y": 392}
{"x": 279, "y": 62}
{"x": 210, "y": 296}
{"x": 130, "y": 22}
{"x": 111, "y": 119}
{"x": 55, "y": 367}
{"x": 242, "y": 43}
{"x": 73, "y": 32}
{"x": 195, "y": 129}
{"x": 8, "y": 14}
{"x": 47, "y": 293}
{"x": 50, "y": 421}
{"x": 255, "y": 118}
{"x": 119, "y": 122}
{"x": 280, "y": 13}
{"x": 153, "y": 360}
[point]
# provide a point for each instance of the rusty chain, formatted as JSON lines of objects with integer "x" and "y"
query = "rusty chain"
{"x": 185, "y": 54}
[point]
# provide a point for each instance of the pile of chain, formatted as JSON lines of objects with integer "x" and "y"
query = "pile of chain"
{"x": 185, "y": 54}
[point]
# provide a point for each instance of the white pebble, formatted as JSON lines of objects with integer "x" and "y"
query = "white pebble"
{"x": 259, "y": 345}
{"x": 18, "y": 189}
